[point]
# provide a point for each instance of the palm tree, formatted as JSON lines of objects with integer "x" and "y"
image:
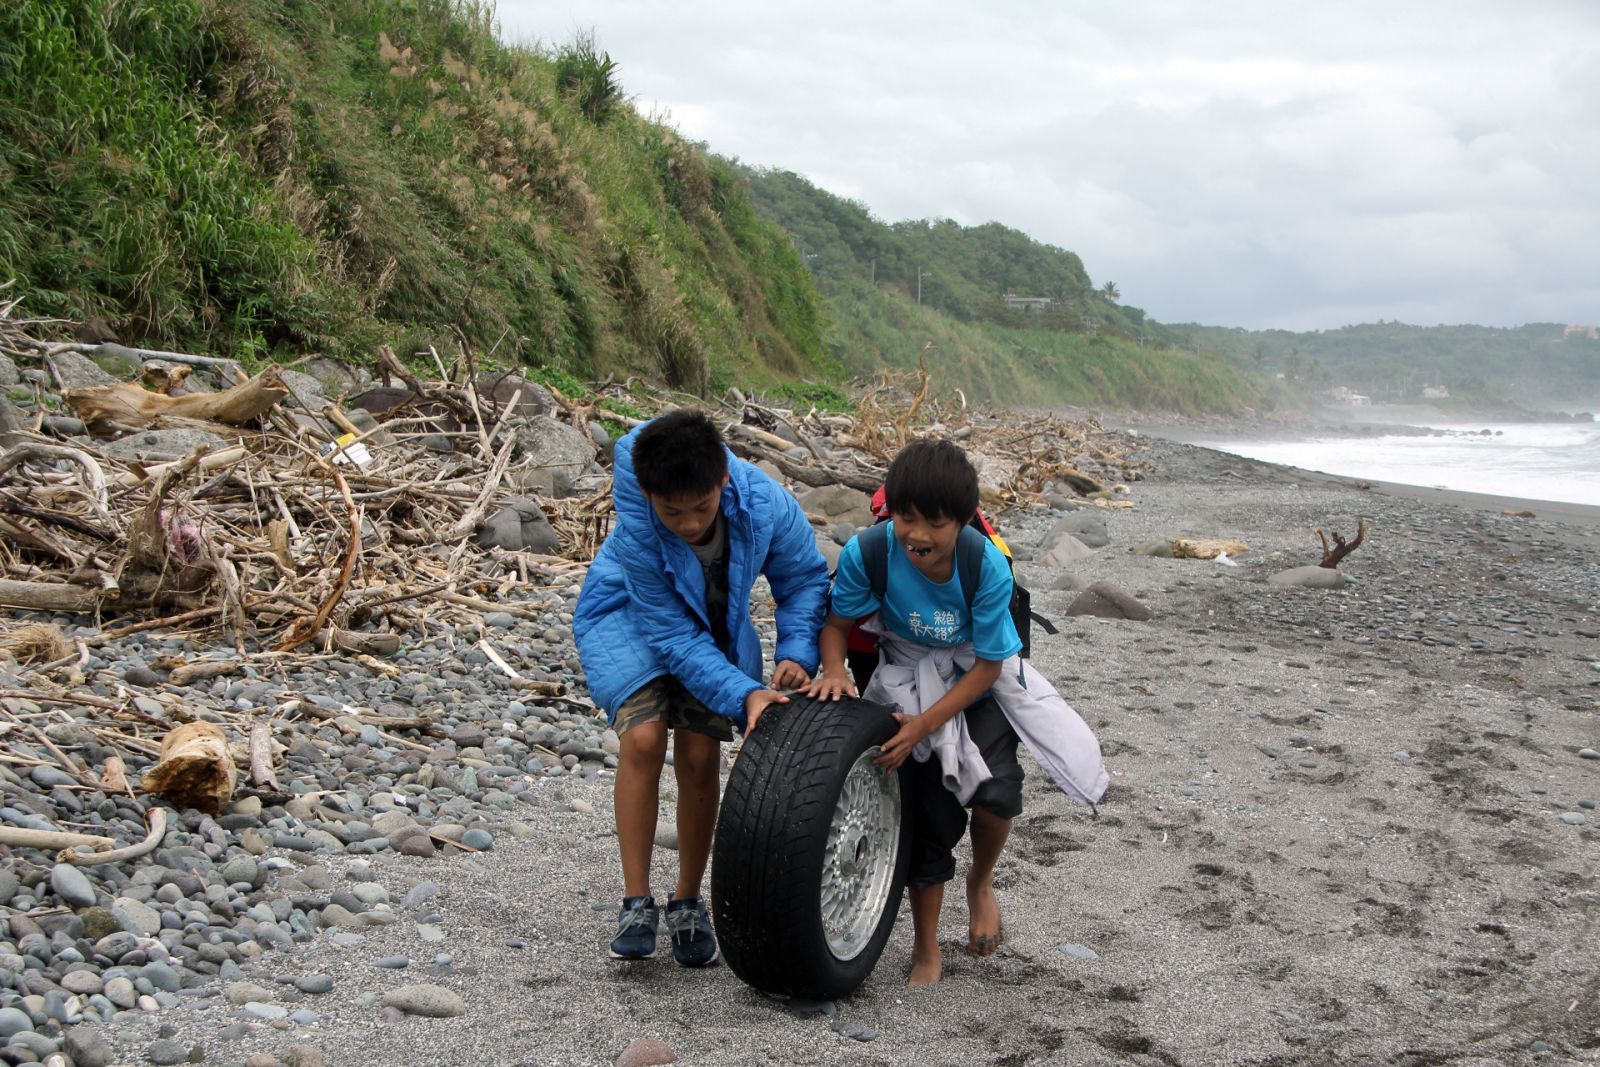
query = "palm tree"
{"x": 1109, "y": 291}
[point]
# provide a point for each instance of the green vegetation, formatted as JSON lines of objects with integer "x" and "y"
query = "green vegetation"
{"x": 1536, "y": 365}
{"x": 259, "y": 177}
{"x": 589, "y": 78}
{"x": 890, "y": 288}
{"x": 813, "y": 394}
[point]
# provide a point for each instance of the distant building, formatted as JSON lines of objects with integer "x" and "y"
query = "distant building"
{"x": 1342, "y": 394}
{"x": 1027, "y": 303}
{"x": 1435, "y": 392}
{"x": 1591, "y": 332}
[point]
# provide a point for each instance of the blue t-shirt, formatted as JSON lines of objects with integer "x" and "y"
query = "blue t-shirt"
{"x": 927, "y": 612}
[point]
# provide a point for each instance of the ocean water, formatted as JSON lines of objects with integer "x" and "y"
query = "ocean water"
{"x": 1539, "y": 461}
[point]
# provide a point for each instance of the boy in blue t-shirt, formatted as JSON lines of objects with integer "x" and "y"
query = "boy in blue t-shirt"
{"x": 932, "y": 492}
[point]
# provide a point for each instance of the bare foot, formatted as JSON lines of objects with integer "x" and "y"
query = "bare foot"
{"x": 987, "y": 932}
{"x": 927, "y": 967}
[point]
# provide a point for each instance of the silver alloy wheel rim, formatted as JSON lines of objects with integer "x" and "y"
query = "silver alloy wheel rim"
{"x": 858, "y": 862}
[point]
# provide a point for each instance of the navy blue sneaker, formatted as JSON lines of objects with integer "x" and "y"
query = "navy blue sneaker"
{"x": 636, "y": 929}
{"x": 689, "y": 923}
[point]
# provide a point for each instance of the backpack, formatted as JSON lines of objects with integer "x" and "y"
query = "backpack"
{"x": 970, "y": 548}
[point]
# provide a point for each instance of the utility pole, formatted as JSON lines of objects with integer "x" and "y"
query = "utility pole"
{"x": 920, "y": 272}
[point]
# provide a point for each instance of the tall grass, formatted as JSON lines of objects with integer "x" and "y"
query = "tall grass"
{"x": 122, "y": 200}
{"x": 276, "y": 176}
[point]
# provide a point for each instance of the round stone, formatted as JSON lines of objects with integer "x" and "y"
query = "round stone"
{"x": 14, "y": 1021}
{"x": 72, "y": 885}
{"x": 84, "y": 983}
{"x": 166, "y": 1052}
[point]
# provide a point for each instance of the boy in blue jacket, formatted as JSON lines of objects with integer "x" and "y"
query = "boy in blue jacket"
{"x": 664, "y": 633}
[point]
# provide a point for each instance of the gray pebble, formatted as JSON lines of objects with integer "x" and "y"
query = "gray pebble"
{"x": 166, "y": 1051}
{"x": 419, "y": 894}
{"x": 1079, "y": 952}
{"x": 266, "y": 1012}
{"x": 72, "y": 885}
{"x": 1572, "y": 818}
{"x": 855, "y": 1031}
{"x": 14, "y": 1021}
{"x": 430, "y": 1001}
{"x": 392, "y": 962}
{"x": 87, "y": 1048}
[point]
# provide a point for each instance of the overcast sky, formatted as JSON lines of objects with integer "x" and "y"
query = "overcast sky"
{"x": 1250, "y": 164}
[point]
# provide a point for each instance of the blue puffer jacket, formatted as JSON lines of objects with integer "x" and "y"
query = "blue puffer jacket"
{"x": 642, "y": 612}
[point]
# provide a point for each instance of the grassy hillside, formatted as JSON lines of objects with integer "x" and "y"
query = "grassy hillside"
{"x": 1085, "y": 348}
{"x": 268, "y": 177}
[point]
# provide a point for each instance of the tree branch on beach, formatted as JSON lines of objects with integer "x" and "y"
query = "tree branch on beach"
{"x": 1340, "y": 549}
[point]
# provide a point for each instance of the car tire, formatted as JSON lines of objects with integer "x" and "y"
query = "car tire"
{"x": 811, "y": 849}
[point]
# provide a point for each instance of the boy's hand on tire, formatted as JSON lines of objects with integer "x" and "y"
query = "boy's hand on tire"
{"x": 789, "y": 675}
{"x": 830, "y": 686}
{"x": 756, "y": 703}
{"x": 911, "y": 733}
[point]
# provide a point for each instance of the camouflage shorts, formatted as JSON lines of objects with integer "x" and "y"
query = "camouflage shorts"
{"x": 664, "y": 699}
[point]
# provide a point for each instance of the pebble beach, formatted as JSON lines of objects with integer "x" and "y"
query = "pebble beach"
{"x": 1350, "y": 825}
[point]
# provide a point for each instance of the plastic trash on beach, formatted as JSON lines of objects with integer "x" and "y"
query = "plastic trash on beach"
{"x": 347, "y": 449}
{"x": 1222, "y": 558}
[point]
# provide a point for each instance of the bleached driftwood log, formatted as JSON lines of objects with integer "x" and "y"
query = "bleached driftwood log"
{"x": 195, "y": 769}
{"x": 130, "y": 406}
{"x": 157, "y": 818}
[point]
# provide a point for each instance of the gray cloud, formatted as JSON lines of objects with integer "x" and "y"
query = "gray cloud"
{"x": 1249, "y": 164}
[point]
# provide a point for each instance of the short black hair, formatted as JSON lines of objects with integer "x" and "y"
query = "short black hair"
{"x": 935, "y": 478}
{"x": 679, "y": 454}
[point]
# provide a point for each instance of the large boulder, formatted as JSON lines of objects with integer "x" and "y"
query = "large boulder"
{"x": 993, "y": 471}
{"x": 1087, "y": 526}
{"x": 336, "y": 377}
{"x": 8, "y": 373}
{"x": 532, "y": 398}
{"x": 10, "y": 417}
{"x": 840, "y": 503}
{"x": 78, "y": 371}
{"x": 520, "y": 526}
{"x": 829, "y": 549}
{"x": 1106, "y": 600}
{"x": 540, "y": 481}
{"x": 1061, "y": 549}
{"x": 304, "y": 390}
{"x": 157, "y": 446}
{"x": 564, "y": 450}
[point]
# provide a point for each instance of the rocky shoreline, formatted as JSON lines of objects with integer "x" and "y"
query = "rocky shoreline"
{"x": 1352, "y": 825}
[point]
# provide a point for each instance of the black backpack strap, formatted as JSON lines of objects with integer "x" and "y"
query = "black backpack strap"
{"x": 970, "y": 547}
{"x": 874, "y": 545}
